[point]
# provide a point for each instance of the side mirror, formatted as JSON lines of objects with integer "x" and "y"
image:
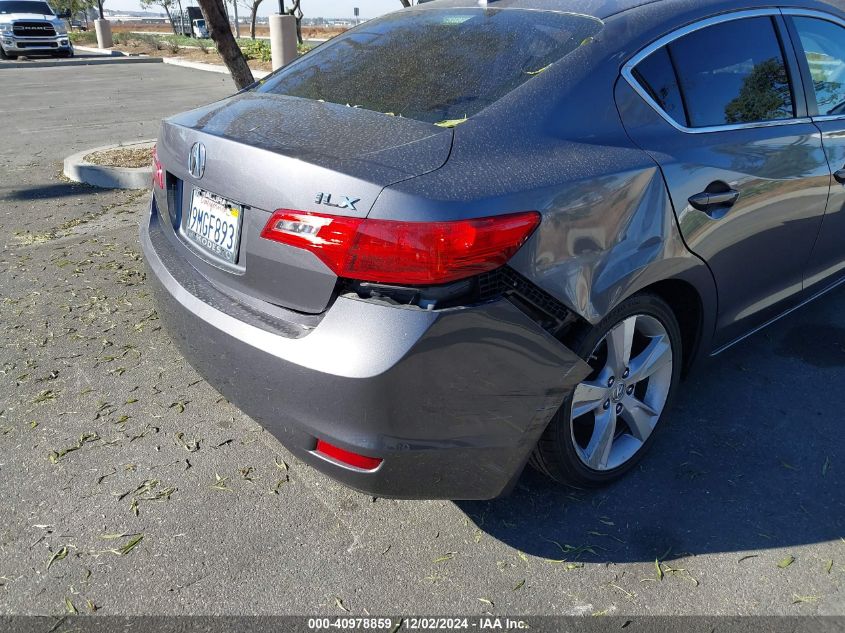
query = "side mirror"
{"x": 64, "y": 15}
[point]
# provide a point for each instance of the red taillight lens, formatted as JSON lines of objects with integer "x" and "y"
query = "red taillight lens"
{"x": 390, "y": 251}
{"x": 328, "y": 237}
{"x": 158, "y": 170}
{"x": 346, "y": 457}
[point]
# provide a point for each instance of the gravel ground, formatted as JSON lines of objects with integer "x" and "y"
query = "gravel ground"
{"x": 133, "y": 157}
{"x": 129, "y": 486}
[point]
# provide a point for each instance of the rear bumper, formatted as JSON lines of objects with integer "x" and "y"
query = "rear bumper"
{"x": 453, "y": 401}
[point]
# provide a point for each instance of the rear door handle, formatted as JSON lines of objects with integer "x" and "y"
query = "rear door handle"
{"x": 840, "y": 176}
{"x": 709, "y": 201}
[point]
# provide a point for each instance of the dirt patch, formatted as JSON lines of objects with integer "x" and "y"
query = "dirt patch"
{"x": 134, "y": 157}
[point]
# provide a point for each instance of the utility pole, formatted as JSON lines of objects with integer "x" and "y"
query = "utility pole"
{"x": 237, "y": 24}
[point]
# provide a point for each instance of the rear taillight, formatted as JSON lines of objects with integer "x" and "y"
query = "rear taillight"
{"x": 389, "y": 251}
{"x": 347, "y": 457}
{"x": 158, "y": 170}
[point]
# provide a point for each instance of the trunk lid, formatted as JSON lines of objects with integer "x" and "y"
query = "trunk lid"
{"x": 268, "y": 152}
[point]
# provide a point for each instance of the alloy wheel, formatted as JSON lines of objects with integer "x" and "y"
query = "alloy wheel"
{"x": 615, "y": 410}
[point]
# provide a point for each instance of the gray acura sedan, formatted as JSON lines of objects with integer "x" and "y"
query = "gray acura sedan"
{"x": 469, "y": 236}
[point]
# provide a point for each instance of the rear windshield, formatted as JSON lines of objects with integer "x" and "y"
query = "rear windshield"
{"x": 24, "y": 6}
{"x": 434, "y": 65}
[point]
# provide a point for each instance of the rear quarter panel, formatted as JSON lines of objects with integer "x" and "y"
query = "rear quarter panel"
{"x": 557, "y": 145}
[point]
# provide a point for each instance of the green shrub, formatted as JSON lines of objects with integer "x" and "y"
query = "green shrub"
{"x": 256, "y": 49}
{"x": 147, "y": 38}
{"x": 180, "y": 40}
{"x": 260, "y": 49}
{"x": 83, "y": 37}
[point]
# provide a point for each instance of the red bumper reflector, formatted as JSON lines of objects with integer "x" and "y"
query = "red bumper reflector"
{"x": 391, "y": 251}
{"x": 346, "y": 457}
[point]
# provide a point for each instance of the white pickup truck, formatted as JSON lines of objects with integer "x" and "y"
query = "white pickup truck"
{"x": 31, "y": 27}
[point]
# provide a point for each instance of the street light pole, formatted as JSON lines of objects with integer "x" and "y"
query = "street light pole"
{"x": 282, "y": 7}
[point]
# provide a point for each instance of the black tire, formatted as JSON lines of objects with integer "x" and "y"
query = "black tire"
{"x": 555, "y": 454}
{"x": 5, "y": 55}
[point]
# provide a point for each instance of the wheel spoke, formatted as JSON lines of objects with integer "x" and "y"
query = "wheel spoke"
{"x": 656, "y": 355}
{"x": 587, "y": 397}
{"x": 619, "y": 341}
{"x": 598, "y": 450}
{"x": 640, "y": 417}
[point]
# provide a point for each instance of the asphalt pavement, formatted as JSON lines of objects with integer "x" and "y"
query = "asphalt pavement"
{"x": 79, "y": 59}
{"x": 129, "y": 486}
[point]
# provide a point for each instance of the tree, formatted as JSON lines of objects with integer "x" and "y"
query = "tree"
{"x": 74, "y": 7}
{"x": 252, "y": 7}
{"x": 405, "y": 3}
{"x": 167, "y": 5}
{"x": 296, "y": 12}
{"x": 764, "y": 96}
{"x": 221, "y": 32}
{"x": 237, "y": 21}
{"x": 182, "y": 18}
{"x": 253, "y": 14}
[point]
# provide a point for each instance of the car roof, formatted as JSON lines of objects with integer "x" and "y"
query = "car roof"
{"x": 605, "y": 8}
{"x": 596, "y": 8}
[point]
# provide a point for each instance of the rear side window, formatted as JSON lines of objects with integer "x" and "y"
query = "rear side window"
{"x": 434, "y": 65}
{"x": 824, "y": 47}
{"x": 657, "y": 76}
{"x": 729, "y": 73}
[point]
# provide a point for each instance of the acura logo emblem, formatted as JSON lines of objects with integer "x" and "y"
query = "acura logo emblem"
{"x": 196, "y": 161}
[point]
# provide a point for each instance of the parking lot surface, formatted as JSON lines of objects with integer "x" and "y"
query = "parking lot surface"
{"x": 130, "y": 486}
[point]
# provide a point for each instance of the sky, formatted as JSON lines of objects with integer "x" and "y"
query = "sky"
{"x": 311, "y": 8}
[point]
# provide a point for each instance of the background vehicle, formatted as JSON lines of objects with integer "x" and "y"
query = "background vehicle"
{"x": 419, "y": 277}
{"x": 192, "y": 23}
{"x": 199, "y": 28}
{"x": 32, "y": 27}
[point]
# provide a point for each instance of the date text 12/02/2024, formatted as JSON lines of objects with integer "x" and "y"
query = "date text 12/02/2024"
{"x": 418, "y": 623}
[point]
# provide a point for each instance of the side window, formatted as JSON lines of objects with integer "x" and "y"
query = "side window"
{"x": 657, "y": 75}
{"x": 824, "y": 46}
{"x": 731, "y": 72}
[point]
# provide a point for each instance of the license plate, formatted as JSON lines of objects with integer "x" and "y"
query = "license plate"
{"x": 214, "y": 224}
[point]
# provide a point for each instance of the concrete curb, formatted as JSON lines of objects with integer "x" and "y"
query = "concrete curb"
{"x": 214, "y": 68}
{"x": 81, "y": 61}
{"x": 105, "y": 52}
{"x": 78, "y": 170}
